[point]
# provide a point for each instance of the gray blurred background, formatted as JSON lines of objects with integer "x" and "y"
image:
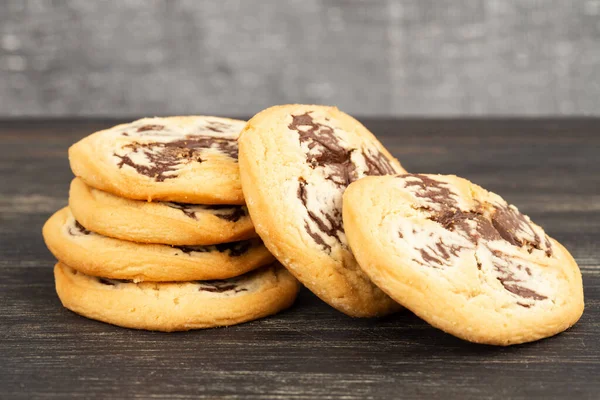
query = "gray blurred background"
{"x": 388, "y": 58}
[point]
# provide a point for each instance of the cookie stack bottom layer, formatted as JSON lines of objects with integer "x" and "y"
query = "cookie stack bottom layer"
{"x": 177, "y": 306}
{"x": 164, "y": 287}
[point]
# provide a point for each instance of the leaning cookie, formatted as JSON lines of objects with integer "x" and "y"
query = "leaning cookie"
{"x": 295, "y": 163}
{"x": 177, "y": 306}
{"x": 462, "y": 259}
{"x": 99, "y": 255}
{"x": 189, "y": 159}
{"x": 158, "y": 222}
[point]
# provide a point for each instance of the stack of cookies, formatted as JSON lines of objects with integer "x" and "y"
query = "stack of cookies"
{"x": 157, "y": 235}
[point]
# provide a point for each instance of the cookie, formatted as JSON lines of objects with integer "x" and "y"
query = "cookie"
{"x": 99, "y": 255}
{"x": 189, "y": 159}
{"x": 177, "y": 306}
{"x": 295, "y": 163}
{"x": 158, "y": 222}
{"x": 462, "y": 258}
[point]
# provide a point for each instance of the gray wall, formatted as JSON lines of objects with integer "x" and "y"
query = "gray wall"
{"x": 414, "y": 57}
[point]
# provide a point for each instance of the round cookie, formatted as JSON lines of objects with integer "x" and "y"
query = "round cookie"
{"x": 462, "y": 258}
{"x": 99, "y": 255}
{"x": 190, "y": 159}
{"x": 295, "y": 163}
{"x": 158, "y": 222}
{"x": 177, "y": 306}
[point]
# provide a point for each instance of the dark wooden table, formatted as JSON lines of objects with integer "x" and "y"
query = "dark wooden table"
{"x": 549, "y": 168}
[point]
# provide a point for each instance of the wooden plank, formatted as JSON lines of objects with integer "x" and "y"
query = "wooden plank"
{"x": 549, "y": 168}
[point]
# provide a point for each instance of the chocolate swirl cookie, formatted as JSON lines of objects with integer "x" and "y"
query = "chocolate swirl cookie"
{"x": 100, "y": 255}
{"x": 190, "y": 159}
{"x": 462, "y": 258}
{"x": 177, "y": 306}
{"x": 158, "y": 221}
{"x": 295, "y": 163}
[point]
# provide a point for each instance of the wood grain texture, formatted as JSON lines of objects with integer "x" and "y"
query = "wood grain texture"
{"x": 549, "y": 168}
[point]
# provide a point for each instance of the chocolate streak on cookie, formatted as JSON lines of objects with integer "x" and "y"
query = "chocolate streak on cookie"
{"x": 213, "y": 286}
{"x": 220, "y": 286}
{"x": 78, "y": 229}
{"x": 184, "y": 208}
{"x": 217, "y": 126}
{"x": 509, "y": 280}
{"x": 377, "y": 164}
{"x": 151, "y": 127}
{"x": 164, "y": 158}
{"x": 325, "y": 150}
{"x": 504, "y": 224}
{"x": 459, "y": 221}
{"x": 434, "y": 190}
{"x": 326, "y": 153}
{"x": 334, "y": 220}
{"x": 234, "y": 249}
{"x": 439, "y": 255}
{"x": 112, "y": 282}
{"x": 227, "y": 212}
{"x": 472, "y": 225}
{"x": 508, "y": 221}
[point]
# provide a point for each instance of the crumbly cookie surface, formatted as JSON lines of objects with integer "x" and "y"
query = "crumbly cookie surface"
{"x": 99, "y": 255}
{"x": 462, "y": 258}
{"x": 190, "y": 159}
{"x": 177, "y": 306}
{"x": 296, "y": 162}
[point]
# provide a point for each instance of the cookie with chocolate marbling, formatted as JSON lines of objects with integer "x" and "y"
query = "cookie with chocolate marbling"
{"x": 157, "y": 221}
{"x": 295, "y": 163}
{"x": 99, "y": 255}
{"x": 190, "y": 159}
{"x": 462, "y": 258}
{"x": 177, "y": 306}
